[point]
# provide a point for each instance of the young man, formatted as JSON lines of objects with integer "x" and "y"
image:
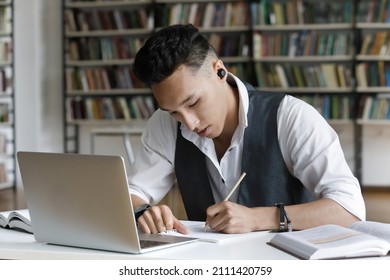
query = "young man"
{"x": 210, "y": 127}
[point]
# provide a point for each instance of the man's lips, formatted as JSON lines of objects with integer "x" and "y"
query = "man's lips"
{"x": 204, "y": 131}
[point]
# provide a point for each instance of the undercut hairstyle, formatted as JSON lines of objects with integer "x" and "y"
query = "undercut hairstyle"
{"x": 168, "y": 49}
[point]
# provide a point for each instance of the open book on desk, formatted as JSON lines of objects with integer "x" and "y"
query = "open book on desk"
{"x": 361, "y": 239}
{"x": 16, "y": 219}
{"x": 196, "y": 230}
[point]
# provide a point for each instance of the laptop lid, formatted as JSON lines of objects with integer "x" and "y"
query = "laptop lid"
{"x": 83, "y": 201}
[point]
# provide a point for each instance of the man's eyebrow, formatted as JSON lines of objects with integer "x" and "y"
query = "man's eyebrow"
{"x": 181, "y": 103}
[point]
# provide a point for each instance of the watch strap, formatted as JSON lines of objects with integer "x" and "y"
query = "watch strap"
{"x": 285, "y": 223}
{"x": 140, "y": 210}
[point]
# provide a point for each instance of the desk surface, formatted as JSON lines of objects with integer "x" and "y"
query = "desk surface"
{"x": 19, "y": 245}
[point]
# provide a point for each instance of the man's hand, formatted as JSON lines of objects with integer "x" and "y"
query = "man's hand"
{"x": 229, "y": 217}
{"x": 159, "y": 218}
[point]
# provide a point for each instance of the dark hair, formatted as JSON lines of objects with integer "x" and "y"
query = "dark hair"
{"x": 169, "y": 48}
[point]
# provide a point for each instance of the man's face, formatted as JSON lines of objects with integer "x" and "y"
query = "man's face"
{"x": 196, "y": 100}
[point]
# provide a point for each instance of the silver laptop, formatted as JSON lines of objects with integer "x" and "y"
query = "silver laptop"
{"x": 83, "y": 201}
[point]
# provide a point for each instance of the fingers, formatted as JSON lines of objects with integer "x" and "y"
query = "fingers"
{"x": 217, "y": 216}
{"x": 227, "y": 217}
{"x": 180, "y": 227}
{"x": 159, "y": 218}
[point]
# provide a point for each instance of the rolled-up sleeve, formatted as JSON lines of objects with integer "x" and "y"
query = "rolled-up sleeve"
{"x": 313, "y": 154}
{"x": 152, "y": 174}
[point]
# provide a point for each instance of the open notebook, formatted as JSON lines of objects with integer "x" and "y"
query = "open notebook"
{"x": 83, "y": 201}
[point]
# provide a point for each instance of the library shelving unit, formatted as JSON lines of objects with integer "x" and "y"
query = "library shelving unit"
{"x": 7, "y": 98}
{"x": 373, "y": 81}
{"x": 373, "y": 62}
{"x": 101, "y": 39}
{"x": 306, "y": 48}
{"x": 324, "y": 52}
{"x": 259, "y": 41}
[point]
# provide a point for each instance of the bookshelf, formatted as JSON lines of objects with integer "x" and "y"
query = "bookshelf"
{"x": 311, "y": 49}
{"x": 7, "y": 100}
{"x": 373, "y": 84}
{"x": 247, "y": 35}
{"x": 306, "y": 48}
{"x": 373, "y": 62}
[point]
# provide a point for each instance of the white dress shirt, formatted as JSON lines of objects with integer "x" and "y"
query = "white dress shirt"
{"x": 309, "y": 146}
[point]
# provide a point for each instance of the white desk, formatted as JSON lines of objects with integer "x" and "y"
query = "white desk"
{"x": 19, "y": 245}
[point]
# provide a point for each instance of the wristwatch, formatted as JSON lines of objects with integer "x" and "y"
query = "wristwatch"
{"x": 285, "y": 223}
{"x": 140, "y": 210}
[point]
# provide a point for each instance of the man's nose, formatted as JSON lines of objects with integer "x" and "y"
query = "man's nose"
{"x": 190, "y": 121}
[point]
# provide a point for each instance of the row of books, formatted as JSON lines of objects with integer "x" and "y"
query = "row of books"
{"x": 112, "y": 48}
{"x": 233, "y": 44}
{"x": 331, "y": 107}
{"x": 5, "y": 80}
{"x": 3, "y": 143}
{"x": 4, "y": 113}
{"x": 5, "y": 19}
{"x": 205, "y": 15}
{"x": 110, "y": 77}
{"x": 373, "y": 11}
{"x": 101, "y": 78}
{"x": 268, "y": 12}
{"x": 106, "y": 108}
{"x": 304, "y": 43}
{"x": 376, "y": 43}
{"x": 3, "y": 173}
{"x": 107, "y": 48}
{"x": 325, "y": 75}
{"x": 5, "y": 50}
{"x": 371, "y": 107}
{"x": 373, "y": 74}
{"x": 117, "y": 19}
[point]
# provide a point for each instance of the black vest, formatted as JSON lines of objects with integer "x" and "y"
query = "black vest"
{"x": 267, "y": 181}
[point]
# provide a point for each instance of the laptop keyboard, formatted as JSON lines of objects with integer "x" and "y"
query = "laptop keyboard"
{"x": 150, "y": 243}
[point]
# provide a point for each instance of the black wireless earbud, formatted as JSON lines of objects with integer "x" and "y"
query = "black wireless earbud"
{"x": 221, "y": 73}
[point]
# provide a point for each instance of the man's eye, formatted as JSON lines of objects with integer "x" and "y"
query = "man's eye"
{"x": 194, "y": 104}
